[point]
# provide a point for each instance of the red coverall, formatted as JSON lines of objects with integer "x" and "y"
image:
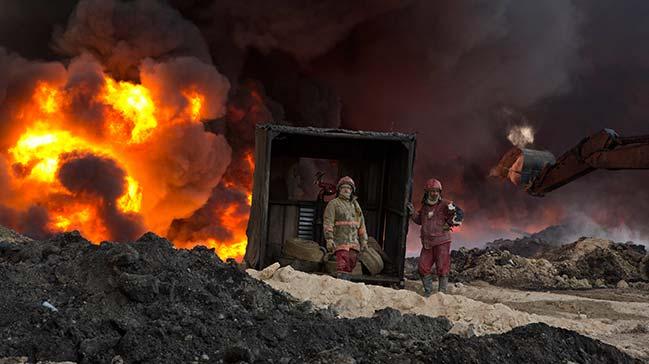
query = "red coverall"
{"x": 435, "y": 238}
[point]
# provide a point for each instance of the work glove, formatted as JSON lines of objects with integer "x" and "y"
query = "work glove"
{"x": 331, "y": 246}
{"x": 411, "y": 208}
{"x": 363, "y": 246}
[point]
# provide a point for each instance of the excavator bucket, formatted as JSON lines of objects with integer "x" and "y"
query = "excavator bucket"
{"x": 521, "y": 165}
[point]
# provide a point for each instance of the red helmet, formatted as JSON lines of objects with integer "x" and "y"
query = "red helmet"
{"x": 432, "y": 184}
{"x": 346, "y": 181}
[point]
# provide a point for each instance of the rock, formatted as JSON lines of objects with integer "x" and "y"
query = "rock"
{"x": 622, "y": 284}
{"x": 462, "y": 329}
{"x": 139, "y": 287}
{"x": 599, "y": 283}
{"x": 268, "y": 272}
{"x": 49, "y": 306}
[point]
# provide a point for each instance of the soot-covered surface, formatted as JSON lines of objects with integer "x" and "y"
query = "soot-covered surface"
{"x": 147, "y": 302}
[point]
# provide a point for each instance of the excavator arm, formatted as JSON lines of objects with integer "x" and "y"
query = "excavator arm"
{"x": 539, "y": 172}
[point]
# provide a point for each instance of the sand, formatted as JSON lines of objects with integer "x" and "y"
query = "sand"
{"x": 482, "y": 307}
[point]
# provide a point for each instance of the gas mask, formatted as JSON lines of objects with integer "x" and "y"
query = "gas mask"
{"x": 345, "y": 192}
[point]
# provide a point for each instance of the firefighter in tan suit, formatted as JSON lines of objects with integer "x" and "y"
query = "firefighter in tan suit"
{"x": 344, "y": 228}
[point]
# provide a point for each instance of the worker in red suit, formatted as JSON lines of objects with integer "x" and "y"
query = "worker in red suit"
{"x": 437, "y": 217}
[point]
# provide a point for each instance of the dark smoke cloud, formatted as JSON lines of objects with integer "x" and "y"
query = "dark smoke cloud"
{"x": 207, "y": 221}
{"x": 31, "y": 222}
{"x": 304, "y": 29}
{"x": 4, "y": 77}
{"x": 272, "y": 42}
{"x": 26, "y": 26}
{"x": 444, "y": 70}
{"x": 305, "y": 100}
{"x": 85, "y": 81}
{"x": 571, "y": 69}
{"x": 446, "y": 65}
{"x": 90, "y": 177}
{"x": 168, "y": 78}
{"x": 189, "y": 163}
{"x": 121, "y": 227}
{"x": 609, "y": 91}
{"x": 121, "y": 34}
{"x": 247, "y": 106}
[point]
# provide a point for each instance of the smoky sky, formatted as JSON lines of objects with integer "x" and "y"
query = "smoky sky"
{"x": 26, "y": 27}
{"x": 445, "y": 69}
{"x": 442, "y": 69}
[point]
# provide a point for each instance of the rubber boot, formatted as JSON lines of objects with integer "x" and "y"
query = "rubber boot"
{"x": 344, "y": 276}
{"x": 443, "y": 284}
{"x": 427, "y": 281}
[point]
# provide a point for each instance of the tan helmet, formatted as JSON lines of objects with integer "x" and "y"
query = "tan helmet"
{"x": 346, "y": 181}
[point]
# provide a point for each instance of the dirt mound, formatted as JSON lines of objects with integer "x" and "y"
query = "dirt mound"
{"x": 10, "y": 236}
{"x": 146, "y": 302}
{"x": 563, "y": 344}
{"x": 591, "y": 258}
{"x": 586, "y": 263}
{"x": 531, "y": 245}
{"x": 504, "y": 269}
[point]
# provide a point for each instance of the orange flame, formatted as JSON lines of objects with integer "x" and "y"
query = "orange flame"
{"x": 251, "y": 165}
{"x": 131, "y": 201}
{"x": 41, "y": 149}
{"x": 46, "y": 130}
{"x": 48, "y": 98}
{"x": 235, "y": 247}
{"x": 196, "y": 101}
{"x": 135, "y": 104}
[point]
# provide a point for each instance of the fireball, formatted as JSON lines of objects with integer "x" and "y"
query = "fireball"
{"x": 97, "y": 158}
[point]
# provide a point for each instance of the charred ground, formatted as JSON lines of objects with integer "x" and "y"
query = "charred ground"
{"x": 148, "y": 302}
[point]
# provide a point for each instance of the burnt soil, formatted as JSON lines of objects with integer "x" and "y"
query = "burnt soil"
{"x": 150, "y": 303}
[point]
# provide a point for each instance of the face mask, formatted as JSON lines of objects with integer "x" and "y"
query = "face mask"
{"x": 432, "y": 199}
{"x": 346, "y": 193}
